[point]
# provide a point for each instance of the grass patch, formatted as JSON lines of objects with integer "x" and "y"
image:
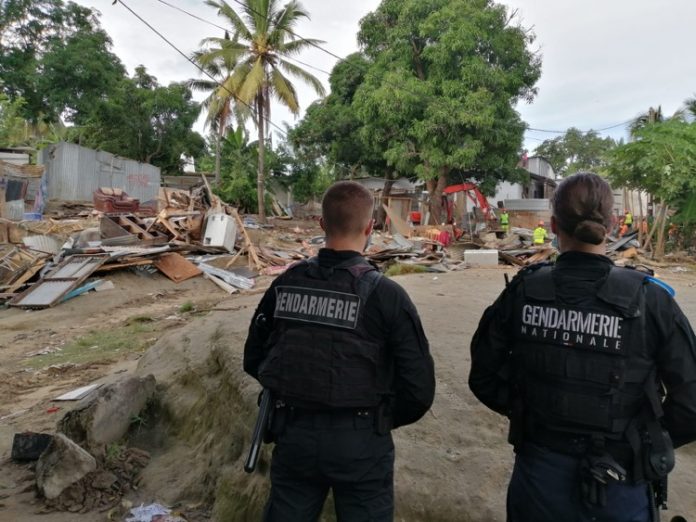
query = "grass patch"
{"x": 188, "y": 306}
{"x": 402, "y": 269}
{"x": 139, "y": 319}
{"x": 100, "y": 345}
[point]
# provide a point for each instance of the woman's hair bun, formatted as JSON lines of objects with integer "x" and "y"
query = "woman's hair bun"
{"x": 589, "y": 231}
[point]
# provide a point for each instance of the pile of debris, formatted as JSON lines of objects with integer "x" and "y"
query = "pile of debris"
{"x": 87, "y": 464}
{"x": 39, "y": 268}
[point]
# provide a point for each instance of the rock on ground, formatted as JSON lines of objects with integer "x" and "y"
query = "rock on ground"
{"x": 61, "y": 465}
{"x": 105, "y": 416}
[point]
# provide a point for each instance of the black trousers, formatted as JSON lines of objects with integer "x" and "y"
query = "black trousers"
{"x": 318, "y": 451}
{"x": 546, "y": 487}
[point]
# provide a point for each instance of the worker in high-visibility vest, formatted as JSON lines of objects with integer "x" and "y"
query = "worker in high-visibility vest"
{"x": 628, "y": 219}
{"x": 505, "y": 221}
{"x": 540, "y": 234}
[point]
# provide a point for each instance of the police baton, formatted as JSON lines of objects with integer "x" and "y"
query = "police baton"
{"x": 265, "y": 407}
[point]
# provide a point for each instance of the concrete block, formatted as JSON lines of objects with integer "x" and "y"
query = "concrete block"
{"x": 481, "y": 257}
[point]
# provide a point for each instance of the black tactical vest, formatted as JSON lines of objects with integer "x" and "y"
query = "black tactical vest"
{"x": 582, "y": 371}
{"x": 321, "y": 355}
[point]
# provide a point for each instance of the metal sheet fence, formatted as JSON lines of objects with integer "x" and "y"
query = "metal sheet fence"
{"x": 75, "y": 172}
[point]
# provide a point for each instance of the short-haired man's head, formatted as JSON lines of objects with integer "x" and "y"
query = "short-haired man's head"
{"x": 346, "y": 209}
{"x": 582, "y": 206}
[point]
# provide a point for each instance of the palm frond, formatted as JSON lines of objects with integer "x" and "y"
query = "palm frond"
{"x": 284, "y": 90}
{"x": 239, "y": 27}
{"x": 215, "y": 56}
{"x": 305, "y": 76}
{"x": 257, "y": 12}
{"x": 284, "y": 20}
{"x": 253, "y": 81}
{"x": 201, "y": 85}
{"x": 292, "y": 47}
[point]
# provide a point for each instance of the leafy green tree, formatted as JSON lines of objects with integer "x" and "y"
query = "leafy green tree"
{"x": 575, "y": 151}
{"x": 331, "y": 129}
{"x": 145, "y": 121}
{"x": 12, "y": 125}
{"x": 238, "y": 169}
{"x": 661, "y": 160}
{"x": 262, "y": 40}
{"x": 76, "y": 74}
{"x": 440, "y": 93}
{"x": 31, "y": 30}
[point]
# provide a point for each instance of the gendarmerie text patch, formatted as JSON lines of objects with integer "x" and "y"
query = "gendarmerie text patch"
{"x": 312, "y": 305}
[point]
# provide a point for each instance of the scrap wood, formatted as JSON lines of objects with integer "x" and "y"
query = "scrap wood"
{"x": 176, "y": 267}
{"x": 510, "y": 259}
{"x": 629, "y": 253}
{"x": 397, "y": 222}
{"x": 235, "y": 257}
{"x": 119, "y": 264}
{"x": 26, "y": 276}
{"x": 541, "y": 255}
{"x": 251, "y": 249}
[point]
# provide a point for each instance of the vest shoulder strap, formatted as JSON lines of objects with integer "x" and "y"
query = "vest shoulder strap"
{"x": 366, "y": 275}
{"x": 622, "y": 290}
{"x": 538, "y": 282}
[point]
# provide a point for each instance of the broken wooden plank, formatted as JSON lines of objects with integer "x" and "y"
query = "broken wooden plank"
{"x": 220, "y": 283}
{"x": 397, "y": 222}
{"x": 176, "y": 267}
{"x": 251, "y": 249}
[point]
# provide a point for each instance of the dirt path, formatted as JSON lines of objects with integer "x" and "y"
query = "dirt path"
{"x": 454, "y": 463}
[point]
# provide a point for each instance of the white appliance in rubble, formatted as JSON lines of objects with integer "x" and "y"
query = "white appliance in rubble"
{"x": 220, "y": 231}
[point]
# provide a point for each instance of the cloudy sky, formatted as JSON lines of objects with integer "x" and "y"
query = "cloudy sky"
{"x": 603, "y": 61}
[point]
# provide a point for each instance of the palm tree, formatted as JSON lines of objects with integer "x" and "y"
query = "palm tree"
{"x": 652, "y": 116}
{"x": 262, "y": 41}
{"x": 222, "y": 104}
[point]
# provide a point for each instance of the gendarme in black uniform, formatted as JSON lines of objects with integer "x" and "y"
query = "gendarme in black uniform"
{"x": 575, "y": 355}
{"x": 344, "y": 351}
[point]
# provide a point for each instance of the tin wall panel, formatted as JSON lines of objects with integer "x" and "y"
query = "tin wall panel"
{"x": 75, "y": 172}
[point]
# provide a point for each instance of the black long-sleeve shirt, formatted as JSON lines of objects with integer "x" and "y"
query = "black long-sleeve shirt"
{"x": 669, "y": 337}
{"x": 390, "y": 315}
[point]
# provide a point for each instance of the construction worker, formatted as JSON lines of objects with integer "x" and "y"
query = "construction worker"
{"x": 595, "y": 367}
{"x": 504, "y": 220}
{"x": 628, "y": 219}
{"x": 343, "y": 351}
{"x": 540, "y": 234}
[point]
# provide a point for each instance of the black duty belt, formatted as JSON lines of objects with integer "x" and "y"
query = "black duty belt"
{"x": 344, "y": 417}
{"x": 578, "y": 445}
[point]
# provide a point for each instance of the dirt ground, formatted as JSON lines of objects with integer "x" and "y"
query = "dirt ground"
{"x": 453, "y": 465}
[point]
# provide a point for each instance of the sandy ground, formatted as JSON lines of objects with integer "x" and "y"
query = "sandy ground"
{"x": 453, "y": 465}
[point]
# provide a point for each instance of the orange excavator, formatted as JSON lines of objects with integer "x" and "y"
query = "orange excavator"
{"x": 474, "y": 194}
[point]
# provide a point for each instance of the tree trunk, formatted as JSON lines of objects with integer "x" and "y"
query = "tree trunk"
{"x": 386, "y": 192}
{"x": 640, "y": 218}
{"x": 217, "y": 158}
{"x": 435, "y": 187}
{"x": 653, "y": 229}
{"x": 660, "y": 246}
{"x": 260, "y": 179}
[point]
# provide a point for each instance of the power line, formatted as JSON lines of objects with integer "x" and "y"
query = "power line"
{"x": 197, "y": 66}
{"x": 623, "y": 123}
{"x": 213, "y": 24}
{"x": 400, "y": 87}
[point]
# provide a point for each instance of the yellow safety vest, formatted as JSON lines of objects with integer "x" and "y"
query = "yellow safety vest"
{"x": 539, "y": 235}
{"x": 628, "y": 219}
{"x": 504, "y": 218}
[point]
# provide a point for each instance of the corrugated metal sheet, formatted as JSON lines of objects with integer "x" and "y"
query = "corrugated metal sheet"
{"x": 75, "y": 172}
{"x": 16, "y": 158}
{"x": 59, "y": 281}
